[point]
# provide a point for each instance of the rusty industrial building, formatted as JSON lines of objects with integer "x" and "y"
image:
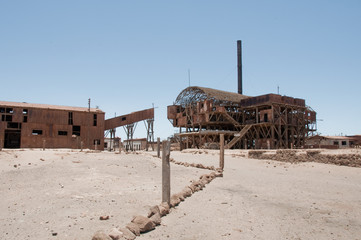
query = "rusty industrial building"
{"x": 25, "y": 125}
{"x": 268, "y": 121}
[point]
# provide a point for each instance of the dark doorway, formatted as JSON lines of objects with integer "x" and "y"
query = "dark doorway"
{"x": 265, "y": 117}
{"x": 12, "y": 139}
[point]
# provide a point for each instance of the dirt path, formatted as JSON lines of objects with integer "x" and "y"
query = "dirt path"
{"x": 269, "y": 200}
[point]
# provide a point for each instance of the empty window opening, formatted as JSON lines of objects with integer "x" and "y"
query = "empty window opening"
{"x": 62, "y": 133}
{"x": 2, "y": 110}
{"x": 344, "y": 143}
{"x": 97, "y": 142}
{"x": 25, "y": 111}
{"x": 335, "y": 142}
{"x": 8, "y": 118}
{"x": 14, "y": 125}
{"x": 25, "y": 119}
{"x": 94, "y": 120}
{"x": 124, "y": 118}
{"x": 76, "y": 130}
{"x": 37, "y": 132}
{"x": 10, "y": 110}
{"x": 70, "y": 118}
{"x": 3, "y": 118}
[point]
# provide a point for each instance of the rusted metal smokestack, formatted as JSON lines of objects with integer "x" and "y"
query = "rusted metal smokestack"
{"x": 239, "y": 66}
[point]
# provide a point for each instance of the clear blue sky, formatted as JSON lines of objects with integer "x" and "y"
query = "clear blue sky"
{"x": 126, "y": 55}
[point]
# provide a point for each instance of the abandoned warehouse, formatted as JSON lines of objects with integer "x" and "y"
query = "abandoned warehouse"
{"x": 25, "y": 125}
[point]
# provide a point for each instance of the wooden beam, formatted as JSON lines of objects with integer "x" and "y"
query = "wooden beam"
{"x": 221, "y": 154}
{"x": 165, "y": 172}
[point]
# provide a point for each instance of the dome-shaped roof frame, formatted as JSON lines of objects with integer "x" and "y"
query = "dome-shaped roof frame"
{"x": 192, "y": 95}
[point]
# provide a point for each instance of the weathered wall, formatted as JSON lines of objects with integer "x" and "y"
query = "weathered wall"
{"x": 48, "y": 122}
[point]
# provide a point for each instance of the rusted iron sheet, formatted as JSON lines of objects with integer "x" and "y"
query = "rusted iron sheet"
{"x": 129, "y": 118}
{"x": 311, "y": 115}
{"x": 172, "y": 111}
{"x": 272, "y": 98}
{"x": 47, "y": 106}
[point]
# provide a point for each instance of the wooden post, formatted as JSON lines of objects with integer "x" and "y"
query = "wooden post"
{"x": 165, "y": 172}
{"x": 158, "y": 147}
{"x": 44, "y": 141}
{"x": 96, "y": 146}
{"x": 221, "y": 154}
{"x": 81, "y": 146}
{"x": 180, "y": 144}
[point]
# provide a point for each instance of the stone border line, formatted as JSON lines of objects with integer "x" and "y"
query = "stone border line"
{"x": 196, "y": 165}
{"x": 141, "y": 224}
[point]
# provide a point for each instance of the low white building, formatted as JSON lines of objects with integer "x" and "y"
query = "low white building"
{"x": 111, "y": 144}
{"x": 135, "y": 144}
{"x": 332, "y": 142}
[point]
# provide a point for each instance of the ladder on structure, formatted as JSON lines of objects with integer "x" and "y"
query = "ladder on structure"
{"x": 238, "y": 137}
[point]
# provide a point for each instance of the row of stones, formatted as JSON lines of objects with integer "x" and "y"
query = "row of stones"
{"x": 141, "y": 224}
{"x": 196, "y": 165}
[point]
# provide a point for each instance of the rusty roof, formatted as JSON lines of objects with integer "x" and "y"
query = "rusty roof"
{"x": 46, "y": 106}
{"x": 223, "y": 95}
{"x": 195, "y": 94}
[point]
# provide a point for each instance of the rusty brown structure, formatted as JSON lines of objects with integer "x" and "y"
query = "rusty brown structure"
{"x": 129, "y": 123}
{"x": 129, "y": 118}
{"x": 268, "y": 121}
{"x": 25, "y": 125}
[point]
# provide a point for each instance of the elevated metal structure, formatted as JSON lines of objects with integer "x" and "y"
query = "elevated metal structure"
{"x": 267, "y": 121}
{"x": 129, "y": 123}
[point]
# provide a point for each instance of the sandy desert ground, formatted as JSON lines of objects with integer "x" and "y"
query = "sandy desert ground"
{"x": 60, "y": 194}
